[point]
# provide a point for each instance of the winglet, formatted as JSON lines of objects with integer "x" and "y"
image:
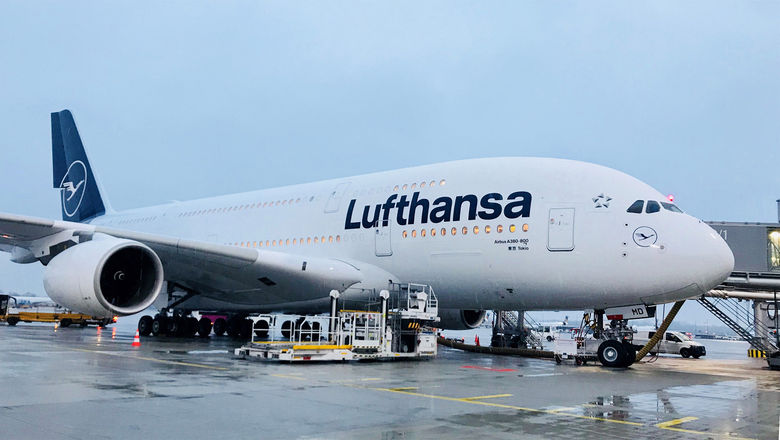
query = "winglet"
{"x": 72, "y": 175}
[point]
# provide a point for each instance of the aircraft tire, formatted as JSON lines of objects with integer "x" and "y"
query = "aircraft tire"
{"x": 630, "y": 354}
{"x": 612, "y": 354}
{"x": 190, "y": 326}
{"x": 220, "y": 325}
{"x": 204, "y": 327}
{"x": 13, "y": 321}
{"x": 234, "y": 327}
{"x": 245, "y": 329}
{"x": 145, "y": 325}
{"x": 159, "y": 326}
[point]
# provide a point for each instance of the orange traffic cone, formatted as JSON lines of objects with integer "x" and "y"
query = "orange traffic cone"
{"x": 136, "y": 339}
{"x": 113, "y": 334}
{"x": 476, "y": 340}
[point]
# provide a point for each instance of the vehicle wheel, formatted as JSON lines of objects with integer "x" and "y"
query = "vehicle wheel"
{"x": 549, "y": 339}
{"x": 158, "y": 325}
{"x": 696, "y": 356}
{"x": 685, "y": 353}
{"x": 630, "y": 354}
{"x": 13, "y": 320}
{"x": 558, "y": 358}
{"x": 611, "y": 354}
{"x": 83, "y": 323}
{"x": 204, "y": 327}
{"x": 578, "y": 360}
{"x": 145, "y": 325}
{"x": 220, "y": 325}
{"x": 66, "y": 322}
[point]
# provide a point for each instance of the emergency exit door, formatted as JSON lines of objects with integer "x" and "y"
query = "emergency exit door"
{"x": 560, "y": 233}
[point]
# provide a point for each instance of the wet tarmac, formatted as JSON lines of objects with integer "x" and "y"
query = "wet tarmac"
{"x": 78, "y": 383}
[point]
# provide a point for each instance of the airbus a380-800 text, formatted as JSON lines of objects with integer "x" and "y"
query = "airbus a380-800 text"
{"x": 509, "y": 233}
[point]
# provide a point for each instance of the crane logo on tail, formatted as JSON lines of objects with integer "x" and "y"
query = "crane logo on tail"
{"x": 72, "y": 187}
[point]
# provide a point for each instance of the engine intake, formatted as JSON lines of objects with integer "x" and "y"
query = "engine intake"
{"x": 455, "y": 319}
{"x": 104, "y": 277}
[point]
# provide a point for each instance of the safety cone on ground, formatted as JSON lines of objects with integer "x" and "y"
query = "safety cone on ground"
{"x": 137, "y": 339}
{"x": 476, "y": 340}
{"x": 113, "y": 334}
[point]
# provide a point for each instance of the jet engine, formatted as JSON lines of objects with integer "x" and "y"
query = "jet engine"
{"x": 105, "y": 276}
{"x": 454, "y": 319}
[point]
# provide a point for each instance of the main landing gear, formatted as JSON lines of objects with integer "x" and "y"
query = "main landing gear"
{"x": 181, "y": 323}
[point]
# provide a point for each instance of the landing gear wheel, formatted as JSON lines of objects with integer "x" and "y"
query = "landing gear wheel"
{"x": 204, "y": 327}
{"x": 66, "y": 322}
{"x": 13, "y": 320}
{"x": 245, "y": 329}
{"x": 159, "y": 325}
{"x": 220, "y": 325}
{"x": 630, "y": 355}
{"x": 612, "y": 354}
{"x": 191, "y": 326}
{"x": 261, "y": 329}
{"x": 145, "y": 325}
{"x": 234, "y": 327}
{"x": 684, "y": 352}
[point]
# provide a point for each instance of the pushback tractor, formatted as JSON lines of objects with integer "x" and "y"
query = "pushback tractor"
{"x": 397, "y": 326}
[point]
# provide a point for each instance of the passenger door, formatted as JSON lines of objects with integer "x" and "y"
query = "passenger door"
{"x": 382, "y": 240}
{"x": 560, "y": 233}
{"x": 334, "y": 200}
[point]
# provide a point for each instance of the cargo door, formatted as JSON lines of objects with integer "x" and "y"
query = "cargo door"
{"x": 560, "y": 234}
{"x": 334, "y": 200}
{"x": 382, "y": 240}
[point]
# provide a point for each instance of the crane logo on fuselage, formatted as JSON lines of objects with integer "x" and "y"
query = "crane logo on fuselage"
{"x": 645, "y": 236}
{"x": 443, "y": 209}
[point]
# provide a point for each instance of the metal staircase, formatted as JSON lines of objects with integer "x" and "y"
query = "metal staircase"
{"x": 509, "y": 324}
{"x": 739, "y": 320}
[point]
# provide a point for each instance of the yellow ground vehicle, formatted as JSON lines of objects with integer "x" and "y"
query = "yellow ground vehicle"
{"x": 36, "y": 309}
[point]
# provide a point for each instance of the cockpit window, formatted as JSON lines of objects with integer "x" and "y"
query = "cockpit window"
{"x": 671, "y": 207}
{"x": 636, "y": 207}
{"x": 652, "y": 206}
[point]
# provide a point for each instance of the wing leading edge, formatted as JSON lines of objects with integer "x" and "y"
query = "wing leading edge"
{"x": 224, "y": 273}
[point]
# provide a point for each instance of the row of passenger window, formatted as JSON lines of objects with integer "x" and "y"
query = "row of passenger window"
{"x": 288, "y": 241}
{"x": 464, "y": 230}
{"x": 406, "y": 186}
{"x": 652, "y": 207}
{"x": 244, "y": 207}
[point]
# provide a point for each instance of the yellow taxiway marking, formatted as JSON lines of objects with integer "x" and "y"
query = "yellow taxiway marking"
{"x": 500, "y": 405}
{"x": 493, "y": 396}
{"x": 288, "y": 376}
{"x": 161, "y": 361}
{"x": 556, "y": 410}
{"x": 402, "y": 389}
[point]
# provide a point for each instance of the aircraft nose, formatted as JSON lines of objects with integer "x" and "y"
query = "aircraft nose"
{"x": 718, "y": 260}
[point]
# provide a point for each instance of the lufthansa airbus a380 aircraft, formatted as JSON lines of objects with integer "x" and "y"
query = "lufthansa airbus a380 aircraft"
{"x": 502, "y": 233}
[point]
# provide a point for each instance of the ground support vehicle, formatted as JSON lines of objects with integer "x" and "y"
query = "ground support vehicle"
{"x": 402, "y": 327}
{"x": 14, "y": 311}
{"x": 672, "y": 343}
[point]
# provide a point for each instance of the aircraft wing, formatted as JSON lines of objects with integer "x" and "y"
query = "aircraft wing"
{"x": 226, "y": 273}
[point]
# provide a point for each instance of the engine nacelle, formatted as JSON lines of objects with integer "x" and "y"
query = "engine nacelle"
{"x": 454, "y": 319}
{"x": 105, "y": 276}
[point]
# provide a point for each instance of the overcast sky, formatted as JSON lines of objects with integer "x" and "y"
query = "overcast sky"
{"x": 179, "y": 100}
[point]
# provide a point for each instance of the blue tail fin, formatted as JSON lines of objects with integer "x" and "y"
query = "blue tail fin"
{"x": 81, "y": 200}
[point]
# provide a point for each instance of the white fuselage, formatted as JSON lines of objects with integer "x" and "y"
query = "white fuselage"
{"x": 567, "y": 242}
